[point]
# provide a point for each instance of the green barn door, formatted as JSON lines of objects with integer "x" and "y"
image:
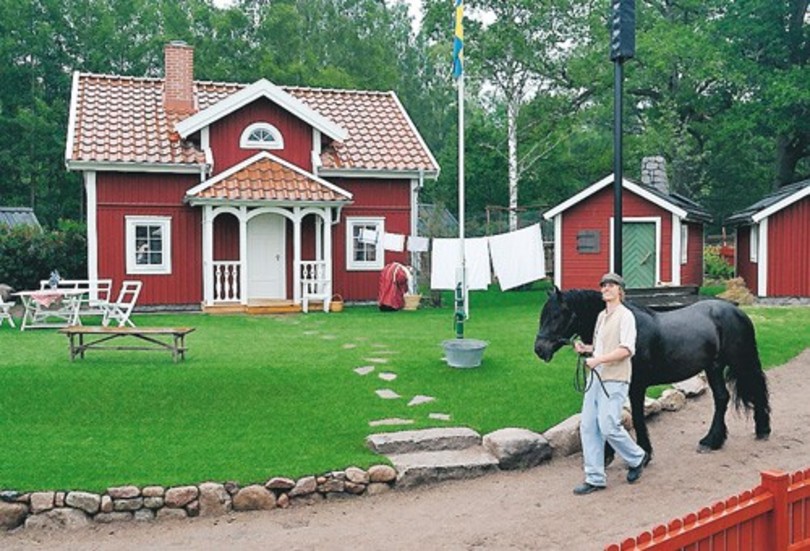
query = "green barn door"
{"x": 638, "y": 260}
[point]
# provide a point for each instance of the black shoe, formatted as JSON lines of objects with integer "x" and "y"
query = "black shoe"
{"x": 586, "y": 488}
{"x": 634, "y": 473}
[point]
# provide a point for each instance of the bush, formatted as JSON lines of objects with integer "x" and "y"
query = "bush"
{"x": 714, "y": 265}
{"x": 28, "y": 254}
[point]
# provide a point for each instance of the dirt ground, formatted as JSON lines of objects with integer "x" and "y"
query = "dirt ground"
{"x": 531, "y": 509}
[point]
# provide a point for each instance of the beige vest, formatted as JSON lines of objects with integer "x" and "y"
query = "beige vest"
{"x": 607, "y": 337}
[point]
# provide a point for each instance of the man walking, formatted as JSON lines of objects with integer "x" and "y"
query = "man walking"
{"x": 610, "y": 366}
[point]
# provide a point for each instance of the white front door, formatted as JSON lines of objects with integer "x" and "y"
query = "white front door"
{"x": 266, "y": 239}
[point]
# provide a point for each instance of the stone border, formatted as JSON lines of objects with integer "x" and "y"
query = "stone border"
{"x": 74, "y": 509}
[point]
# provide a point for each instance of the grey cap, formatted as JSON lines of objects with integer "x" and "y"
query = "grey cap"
{"x": 611, "y": 277}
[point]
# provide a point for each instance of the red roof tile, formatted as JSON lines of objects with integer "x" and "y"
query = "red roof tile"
{"x": 121, "y": 119}
{"x": 268, "y": 180}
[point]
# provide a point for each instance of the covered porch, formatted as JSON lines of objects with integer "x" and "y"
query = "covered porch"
{"x": 267, "y": 237}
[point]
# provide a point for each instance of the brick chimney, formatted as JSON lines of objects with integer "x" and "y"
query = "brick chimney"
{"x": 178, "y": 89}
{"x": 654, "y": 173}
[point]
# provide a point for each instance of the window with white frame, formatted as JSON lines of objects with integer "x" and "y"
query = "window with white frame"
{"x": 684, "y": 243}
{"x": 149, "y": 244}
{"x": 364, "y": 243}
{"x": 261, "y": 135}
{"x": 753, "y": 252}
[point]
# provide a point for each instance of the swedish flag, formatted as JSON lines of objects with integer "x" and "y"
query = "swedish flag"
{"x": 458, "y": 41}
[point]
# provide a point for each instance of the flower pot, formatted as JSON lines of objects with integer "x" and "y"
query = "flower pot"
{"x": 464, "y": 353}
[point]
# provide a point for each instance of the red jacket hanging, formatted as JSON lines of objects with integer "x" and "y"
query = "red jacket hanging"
{"x": 393, "y": 286}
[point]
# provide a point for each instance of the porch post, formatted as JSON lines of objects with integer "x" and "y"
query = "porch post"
{"x": 243, "y": 259}
{"x": 327, "y": 246}
{"x": 297, "y": 255}
{"x": 208, "y": 254}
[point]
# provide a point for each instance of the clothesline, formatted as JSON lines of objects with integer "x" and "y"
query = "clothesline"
{"x": 516, "y": 257}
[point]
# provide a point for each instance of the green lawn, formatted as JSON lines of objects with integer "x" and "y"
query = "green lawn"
{"x": 277, "y": 395}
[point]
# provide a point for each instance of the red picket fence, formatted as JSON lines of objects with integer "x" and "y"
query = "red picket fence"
{"x": 774, "y": 516}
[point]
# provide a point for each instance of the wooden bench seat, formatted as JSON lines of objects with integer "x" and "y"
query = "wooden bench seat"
{"x": 149, "y": 338}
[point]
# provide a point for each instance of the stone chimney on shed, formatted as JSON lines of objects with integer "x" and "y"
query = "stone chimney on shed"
{"x": 654, "y": 173}
{"x": 178, "y": 87}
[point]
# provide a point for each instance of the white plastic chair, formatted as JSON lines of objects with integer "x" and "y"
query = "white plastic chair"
{"x": 5, "y": 312}
{"x": 121, "y": 309}
{"x": 103, "y": 294}
{"x": 315, "y": 285}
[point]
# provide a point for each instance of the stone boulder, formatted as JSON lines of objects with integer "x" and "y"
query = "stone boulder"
{"x": 12, "y": 515}
{"x": 564, "y": 438}
{"x": 692, "y": 387}
{"x": 58, "y": 519}
{"x": 517, "y": 448}
{"x": 672, "y": 400}
{"x": 214, "y": 500}
{"x": 254, "y": 498}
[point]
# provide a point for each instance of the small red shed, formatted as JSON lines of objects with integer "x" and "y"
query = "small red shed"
{"x": 662, "y": 236}
{"x": 773, "y": 250}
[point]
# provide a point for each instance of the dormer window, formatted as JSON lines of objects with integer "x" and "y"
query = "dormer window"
{"x": 261, "y": 135}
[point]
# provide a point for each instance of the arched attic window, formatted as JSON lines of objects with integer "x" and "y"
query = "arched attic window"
{"x": 261, "y": 135}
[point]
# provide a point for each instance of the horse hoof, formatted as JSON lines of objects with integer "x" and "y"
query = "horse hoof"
{"x": 764, "y": 437}
{"x": 702, "y": 448}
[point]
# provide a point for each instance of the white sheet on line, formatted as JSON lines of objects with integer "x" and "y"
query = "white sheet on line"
{"x": 517, "y": 257}
{"x": 368, "y": 236}
{"x": 393, "y": 242}
{"x": 418, "y": 244}
{"x": 444, "y": 260}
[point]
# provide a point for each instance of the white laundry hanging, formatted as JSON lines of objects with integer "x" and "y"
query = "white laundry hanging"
{"x": 517, "y": 257}
{"x": 417, "y": 244}
{"x": 444, "y": 261}
{"x": 393, "y": 242}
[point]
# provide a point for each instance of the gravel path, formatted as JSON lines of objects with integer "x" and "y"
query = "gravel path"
{"x": 531, "y": 509}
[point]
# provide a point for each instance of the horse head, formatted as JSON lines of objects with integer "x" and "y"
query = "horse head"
{"x": 557, "y": 325}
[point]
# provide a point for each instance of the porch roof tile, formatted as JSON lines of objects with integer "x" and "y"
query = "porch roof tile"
{"x": 268, "y": 180}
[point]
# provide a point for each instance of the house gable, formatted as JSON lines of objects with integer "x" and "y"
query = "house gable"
{"x": 261, "y": 88}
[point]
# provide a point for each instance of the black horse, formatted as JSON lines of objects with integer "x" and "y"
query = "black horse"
{"x": 711, "y": 335}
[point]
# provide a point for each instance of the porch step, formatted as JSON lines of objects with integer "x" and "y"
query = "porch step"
{"x": 257, "y": 308}
{"x": 434, "y": 455}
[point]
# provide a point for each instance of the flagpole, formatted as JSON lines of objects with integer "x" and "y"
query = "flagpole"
{"x": 462, "y": 309}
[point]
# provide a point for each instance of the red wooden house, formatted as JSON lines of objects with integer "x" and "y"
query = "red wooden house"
{"x": 662, "y": 236}
{"x": 773, "y": 249}
{"x": 226, "y": 195}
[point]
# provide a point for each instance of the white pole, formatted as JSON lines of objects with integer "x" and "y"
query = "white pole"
{"x": 462, "y": 276}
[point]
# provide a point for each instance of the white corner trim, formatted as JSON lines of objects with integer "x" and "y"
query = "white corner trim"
{"x": 677, "y": 249}
{"x": 787, "y": 201}
{"x": 260, "y": 88}
{"x": 92, "y": 225}
{"x": 762, "y": 259}
{"x": 558, "y": 267}
{"x": 71, "y": 133}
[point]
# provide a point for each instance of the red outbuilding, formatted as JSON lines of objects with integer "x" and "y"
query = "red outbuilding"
{"x": 662, "y": 236}
{"x": 226, "y": 195}
{"x": 773, "y": 248}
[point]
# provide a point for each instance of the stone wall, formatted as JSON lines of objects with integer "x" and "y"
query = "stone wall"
{"x": 74, "y": 509}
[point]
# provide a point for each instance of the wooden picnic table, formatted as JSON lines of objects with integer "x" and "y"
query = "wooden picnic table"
{"x": 150, "y": 337}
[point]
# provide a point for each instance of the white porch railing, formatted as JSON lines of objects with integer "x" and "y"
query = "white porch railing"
{"x": 315, "y": 283}
{"x": 226, "y": 280}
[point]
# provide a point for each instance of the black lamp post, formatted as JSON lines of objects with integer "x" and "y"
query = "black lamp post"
{"x": 622, "y": 47}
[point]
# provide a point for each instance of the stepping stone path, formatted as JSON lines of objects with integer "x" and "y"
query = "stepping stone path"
{"x": 365, "y": 370}
{"x": 328, "y": 337}
{"x": 420, "y": 399}
{"x": 439, "y": 416}
{"x": 377, "y": 360}
{"x": 387, "y": 394}
{"x": 349, "y": 345}
{"x": 387, "y": 376}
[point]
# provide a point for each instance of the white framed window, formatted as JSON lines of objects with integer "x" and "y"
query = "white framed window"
{"x": 753, "y": 249}
{"x": 684, "y": 243}
{"x": 261, "y": 135}
{"x": 364, "y": 249}
{"x": 148, "y": 244}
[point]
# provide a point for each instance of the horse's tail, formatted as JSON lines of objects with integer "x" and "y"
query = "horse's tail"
{"x": 748, "y": 382}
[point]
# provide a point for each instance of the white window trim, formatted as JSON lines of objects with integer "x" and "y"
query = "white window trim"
{"x": 354, "y": 265}
{"x": 753, "y": 243}
{"x": 684, "y": 243}
{"x": 166, "y": 223}
{"x": 277, "y": 143}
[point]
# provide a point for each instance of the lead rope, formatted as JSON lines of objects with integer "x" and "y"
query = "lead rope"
{"x": 581, "y": 381}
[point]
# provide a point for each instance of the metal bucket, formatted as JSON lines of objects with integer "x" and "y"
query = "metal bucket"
{"x": 464, "y": 352}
